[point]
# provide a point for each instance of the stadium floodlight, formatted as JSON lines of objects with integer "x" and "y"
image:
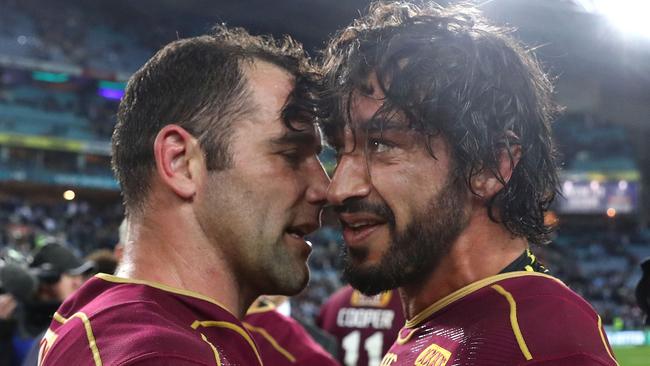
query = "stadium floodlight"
{"x": 69, "y": 195}
{"x": 630, "y": 16}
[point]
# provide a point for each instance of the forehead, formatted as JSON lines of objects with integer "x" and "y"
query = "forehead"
{"x": 365, "y": 101}
{"x": 269, "y": 85}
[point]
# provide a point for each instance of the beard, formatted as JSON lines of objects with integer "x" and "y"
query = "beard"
{"x": 414, "y": 252}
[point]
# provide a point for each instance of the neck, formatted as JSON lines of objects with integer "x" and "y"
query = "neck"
{"x": 482, "y": 250}
{"x": 161, "y": 249}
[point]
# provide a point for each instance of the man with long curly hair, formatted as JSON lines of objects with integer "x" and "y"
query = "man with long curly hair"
{"x": 445, "y": 170}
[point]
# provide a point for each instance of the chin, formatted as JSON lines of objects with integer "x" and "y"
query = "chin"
{"x": 293, "y": 284}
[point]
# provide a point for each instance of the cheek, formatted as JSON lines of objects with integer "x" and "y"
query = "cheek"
{"x": 407, "y": 188}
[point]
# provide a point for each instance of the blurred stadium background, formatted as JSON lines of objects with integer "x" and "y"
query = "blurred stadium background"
{"x": 64, "y": 65}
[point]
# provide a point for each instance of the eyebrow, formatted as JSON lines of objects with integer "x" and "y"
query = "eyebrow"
{"x": 380, "y": 124}
{"x": 300, "y": 139}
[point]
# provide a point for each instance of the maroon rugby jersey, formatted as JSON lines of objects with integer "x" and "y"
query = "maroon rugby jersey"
{"x": 365, "y": 326}
{"x": 117, "y": 321}
{"x": 516, "y": 318}
{"x": 283, "y": 341}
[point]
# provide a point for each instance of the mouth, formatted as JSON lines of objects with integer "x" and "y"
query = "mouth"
{"x": 359, "y": 226}
{"x": 298, "y": 232}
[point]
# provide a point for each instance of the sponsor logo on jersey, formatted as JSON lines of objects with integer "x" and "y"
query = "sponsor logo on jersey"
{"x": 379, "y": 301}
{"x": 434, "y": 355}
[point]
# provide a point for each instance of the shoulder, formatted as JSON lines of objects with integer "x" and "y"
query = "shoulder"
{"x": 578, "y": 359}
{"x": 550, "y": 319}
{"x": 272, "y": 323}
{"x": 543, "y": 297}
{"x": 162, "y": 359}
{"x": 124, "y": 320}
{"x": 282, "y": 338}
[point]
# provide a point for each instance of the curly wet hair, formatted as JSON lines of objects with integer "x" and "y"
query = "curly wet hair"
{"x": 451, "y": 73}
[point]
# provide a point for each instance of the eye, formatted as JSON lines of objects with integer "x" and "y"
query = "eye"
{"x": 293, "y": 157}
{"x": 378, "y": 145}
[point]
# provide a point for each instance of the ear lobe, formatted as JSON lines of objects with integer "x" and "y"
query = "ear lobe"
{"x": 174, "y": 150}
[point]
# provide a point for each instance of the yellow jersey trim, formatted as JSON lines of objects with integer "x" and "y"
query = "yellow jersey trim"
{"x": 214, "y": 349}
{"x": 92, "y": 343}
{"x": 472, "y": 287}
{"x": 160, "y": 286}
{"x": 272, "y": 341}
{"x": 401, "y": 340}
{"x": 514, "y": 323}
{"x": 231, "y": 326}
{"x": 380, "y": 300}
{"x": 602, "y": 337}
{"x": 256, "y": 308}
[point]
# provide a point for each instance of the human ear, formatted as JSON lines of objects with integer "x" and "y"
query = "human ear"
{"x": 487, "y": 183}
{"x": 176, "y": 151}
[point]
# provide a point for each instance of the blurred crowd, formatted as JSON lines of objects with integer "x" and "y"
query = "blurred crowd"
{"x": 47, "y": 252}
{"x": 74, "y": 35}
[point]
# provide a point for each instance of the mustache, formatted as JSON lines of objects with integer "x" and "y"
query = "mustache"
{"x": 352, "y": 205}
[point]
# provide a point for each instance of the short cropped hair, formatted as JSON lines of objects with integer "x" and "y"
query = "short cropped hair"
{"x": 453, "y": 74}
{"x": 199, "y": 84}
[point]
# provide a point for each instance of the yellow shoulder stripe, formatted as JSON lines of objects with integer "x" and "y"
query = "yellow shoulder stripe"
{"x": 472, "y": 287}
{"x": 514, "y": 323}
{"x": 89, "y": 333}
{"x": 257, "y": 308}
{"x": 239, "y": 330}
{"x": 214, "y": 349}
{"x": 272, "y": 341}
{"x": 602, "y": 338}
{"x": 160, "y": 286}
{"x": 402, "y": 340}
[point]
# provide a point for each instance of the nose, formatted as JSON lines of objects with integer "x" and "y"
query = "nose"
{"x": 350, "y": 179}
{"x": 317, "y": 190}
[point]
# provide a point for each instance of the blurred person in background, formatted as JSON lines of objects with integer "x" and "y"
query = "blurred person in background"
{"x": 118, "y": 250}
{"x": 215, "y": 151}
{"x": 445, "y": 169}
{"x": 59, "y": 274}
{"x": 103, "y": 260}
{"x": 642, "y": 290}
{"x": 17, "y": 287}
{"x": 281, "y": 339}
{"x": 365, "y": 326}
{"x": 7, "y": 327}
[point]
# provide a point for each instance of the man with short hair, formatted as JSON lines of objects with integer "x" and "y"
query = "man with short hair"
{"x": 445, "y": 170}
{"x": 216, "y": 151}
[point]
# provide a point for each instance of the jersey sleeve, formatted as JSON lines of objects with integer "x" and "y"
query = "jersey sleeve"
{"x": 161, "y": 360}
{"x": 572, "y": 360}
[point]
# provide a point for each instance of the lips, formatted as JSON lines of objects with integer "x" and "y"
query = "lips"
{"x": 357, "y": 227}
{"x": 301, "y": 230}
{"x": 297, "y": 233}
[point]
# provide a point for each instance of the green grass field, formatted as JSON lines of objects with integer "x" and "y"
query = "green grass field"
{"x": 633, "y": 356}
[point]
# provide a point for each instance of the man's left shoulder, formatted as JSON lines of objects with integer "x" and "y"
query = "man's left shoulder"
{"x": 536, "y": 292}
{"x": 282, "y": 339}
{"x": 550, "y": 319}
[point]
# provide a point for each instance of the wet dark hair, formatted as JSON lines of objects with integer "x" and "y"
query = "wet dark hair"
{"x": 452, "y": 74}
{"x": 200, "y": 84}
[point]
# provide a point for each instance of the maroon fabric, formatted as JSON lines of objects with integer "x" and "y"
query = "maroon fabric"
{"x": 298, "y": 348}
{"x": 364, "y": 326}
{"x": 138, "y": 324}
{"x": 557, "y": 326}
